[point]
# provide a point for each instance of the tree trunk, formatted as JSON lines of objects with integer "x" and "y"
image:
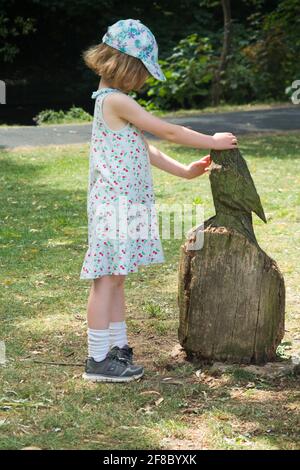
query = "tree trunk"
{"x": 216, "y": 86}
{"x": 231, "y": 299}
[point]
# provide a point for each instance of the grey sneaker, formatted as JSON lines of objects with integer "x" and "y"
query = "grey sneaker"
{"x": 111, "y": 369}
{"x": 126, "y": 353}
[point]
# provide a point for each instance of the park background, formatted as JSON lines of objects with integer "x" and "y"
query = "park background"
{"x": 44, "y": 403}
{"x": 255, "y": 61}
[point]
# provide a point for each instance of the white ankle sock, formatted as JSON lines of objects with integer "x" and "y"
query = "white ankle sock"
{"x": 98, "y": 344}
{"x": 118, "y": 333}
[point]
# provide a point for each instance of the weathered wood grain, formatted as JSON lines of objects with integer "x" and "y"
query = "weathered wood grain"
{"x": 231, "y": 300}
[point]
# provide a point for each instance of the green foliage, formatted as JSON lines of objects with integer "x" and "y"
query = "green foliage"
{"x": 188, "y": 75}
{"x": 262, "y": 61}
{"x": 284, "y": 350}
{"x": 49, "y": 116}
{"x": 242, "y": 375}
{"x": 261, "y": 65}
{"x": 154, "y": 310}
{"x": 197, "y": 200}
{"x": 10, "y": 30}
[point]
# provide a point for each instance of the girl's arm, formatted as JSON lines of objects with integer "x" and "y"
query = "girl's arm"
{"x": 128, "y": 109}
{"x": 168, "y": 164}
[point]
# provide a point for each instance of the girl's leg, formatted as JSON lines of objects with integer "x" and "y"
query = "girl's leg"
{"x": 106, "y": 301}
{"x": 117, "y": 326}
{"x": 118, "y": 308}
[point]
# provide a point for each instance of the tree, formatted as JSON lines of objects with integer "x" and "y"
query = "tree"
{"x": 10, "y": 29}
{"x": 217, "y": 81}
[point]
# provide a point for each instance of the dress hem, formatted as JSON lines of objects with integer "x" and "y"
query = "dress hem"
{"x": 123, "y": 272}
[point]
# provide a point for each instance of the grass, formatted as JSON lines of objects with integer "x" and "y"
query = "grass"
{"x": 43, "y": 241}
{"x": 223, "y": 108}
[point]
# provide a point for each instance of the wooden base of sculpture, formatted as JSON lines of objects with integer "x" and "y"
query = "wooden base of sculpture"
{"x": 231, "y": 300}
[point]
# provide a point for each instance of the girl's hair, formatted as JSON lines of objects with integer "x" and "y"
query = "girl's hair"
{"x": 120, "y": 70}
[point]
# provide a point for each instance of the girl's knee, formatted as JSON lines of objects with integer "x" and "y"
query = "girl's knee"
{"x": 118, "y": 280}
{"x": 111, "y": 281}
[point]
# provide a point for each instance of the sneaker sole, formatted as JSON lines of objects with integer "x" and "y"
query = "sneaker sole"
{"x": 105, "y": 378}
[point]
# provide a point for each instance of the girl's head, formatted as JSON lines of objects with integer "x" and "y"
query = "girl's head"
{"x": 127, "y": 56}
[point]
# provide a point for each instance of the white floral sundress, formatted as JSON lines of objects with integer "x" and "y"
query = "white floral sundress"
{"x": 122, "y": 220}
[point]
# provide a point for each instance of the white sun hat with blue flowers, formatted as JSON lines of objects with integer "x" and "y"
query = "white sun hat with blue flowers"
{"x": 135, "y": 39}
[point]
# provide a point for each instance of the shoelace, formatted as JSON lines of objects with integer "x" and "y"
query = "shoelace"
{"x": 115, "y": 357}
{"x": 127, "y": 352}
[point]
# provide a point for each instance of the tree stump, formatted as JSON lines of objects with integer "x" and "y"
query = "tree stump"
{"x": 231, "y": 294}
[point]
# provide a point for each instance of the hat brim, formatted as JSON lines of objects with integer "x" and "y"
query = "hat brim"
{"x": 155, "y": 70}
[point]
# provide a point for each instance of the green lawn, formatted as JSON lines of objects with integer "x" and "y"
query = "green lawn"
{"x": 223, "y": 108}
{"x": 43, "y": 241}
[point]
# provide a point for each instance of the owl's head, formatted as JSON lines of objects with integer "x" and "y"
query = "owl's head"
{"x": 232, "y": 185}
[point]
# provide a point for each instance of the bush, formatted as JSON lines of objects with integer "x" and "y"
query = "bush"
{"x": 188, "y": 72}
{"x": 261, "y": 65}
{"x": 49, "y": 116}
{"x": 263, "y": 61}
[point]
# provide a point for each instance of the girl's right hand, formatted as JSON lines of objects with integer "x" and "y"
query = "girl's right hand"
{"x": 125, "y": 107}
{"x": 224, "y": 141}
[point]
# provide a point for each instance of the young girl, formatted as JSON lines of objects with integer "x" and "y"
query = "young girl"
{"x": 120, "y": 178}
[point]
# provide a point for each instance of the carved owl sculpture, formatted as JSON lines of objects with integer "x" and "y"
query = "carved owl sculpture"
{"x": 234, "y": 193}
{"x": 231, "y": 294}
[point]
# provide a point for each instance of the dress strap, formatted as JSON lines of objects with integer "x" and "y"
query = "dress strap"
{"x": 103, "y": 91}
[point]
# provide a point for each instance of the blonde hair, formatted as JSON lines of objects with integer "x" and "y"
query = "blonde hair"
{"x": 120, "y": 70}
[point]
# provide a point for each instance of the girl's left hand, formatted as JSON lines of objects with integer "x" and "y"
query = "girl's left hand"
{"x": 199, "y": 167}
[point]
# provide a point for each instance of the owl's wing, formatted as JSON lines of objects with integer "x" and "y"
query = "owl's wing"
{"x": 251, "y": 198}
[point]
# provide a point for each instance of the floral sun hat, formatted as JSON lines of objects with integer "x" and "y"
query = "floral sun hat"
{"x": 135, "y": 39}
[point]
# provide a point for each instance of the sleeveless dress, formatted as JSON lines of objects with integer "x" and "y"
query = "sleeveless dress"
{"x": 122, "y": 220}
